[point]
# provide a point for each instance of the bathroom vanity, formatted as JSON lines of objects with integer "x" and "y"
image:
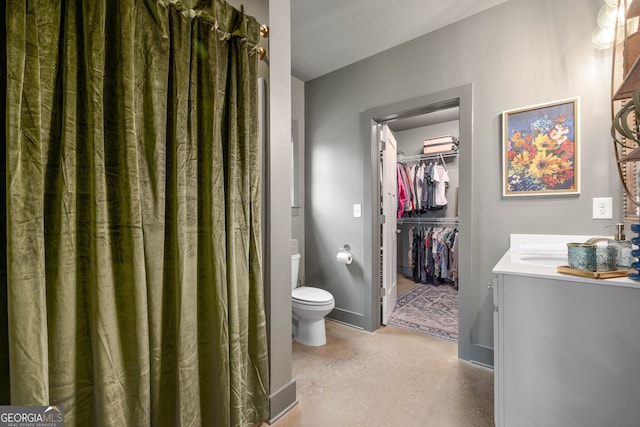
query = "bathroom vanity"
{"x": 567, "y": 348}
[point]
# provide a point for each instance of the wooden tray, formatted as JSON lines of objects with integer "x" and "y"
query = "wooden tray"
{"x": 593, "y": 274}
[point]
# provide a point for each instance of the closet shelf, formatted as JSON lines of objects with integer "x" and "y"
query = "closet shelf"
{"x": 418, "y": 157}
{"x": 421, "y": 220}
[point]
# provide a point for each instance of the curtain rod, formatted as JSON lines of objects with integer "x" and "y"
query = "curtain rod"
{"x": 264, "y": 29}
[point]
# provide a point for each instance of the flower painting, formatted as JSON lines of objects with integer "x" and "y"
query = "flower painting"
{"x": 540, "y": 154}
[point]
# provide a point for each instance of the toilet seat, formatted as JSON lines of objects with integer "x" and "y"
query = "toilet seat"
{"x": 308, "y": 295}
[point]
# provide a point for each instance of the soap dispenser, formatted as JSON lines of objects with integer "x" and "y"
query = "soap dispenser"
{"x": 623, "y": 248}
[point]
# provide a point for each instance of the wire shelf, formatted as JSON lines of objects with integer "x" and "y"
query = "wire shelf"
{"x": 429, "y": 221}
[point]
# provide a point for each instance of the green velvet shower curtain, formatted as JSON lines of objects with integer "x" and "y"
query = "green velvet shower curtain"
{"x": 134, "y": 280}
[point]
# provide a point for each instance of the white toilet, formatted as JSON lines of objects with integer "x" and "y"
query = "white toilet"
{"x": 310, "y": 306}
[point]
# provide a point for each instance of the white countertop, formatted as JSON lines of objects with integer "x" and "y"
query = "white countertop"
{"x": 513, "y": 264}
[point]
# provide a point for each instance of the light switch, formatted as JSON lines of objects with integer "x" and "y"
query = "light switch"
{"x": 357, "y": 210}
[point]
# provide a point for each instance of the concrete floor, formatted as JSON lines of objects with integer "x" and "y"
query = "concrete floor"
{"x": 391, "y": 377}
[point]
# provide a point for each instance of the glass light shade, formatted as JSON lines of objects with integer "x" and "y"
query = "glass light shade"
{"x": 607, "y": 17}
{"x": 601, "y": 38}
{"x": 612, "y": 3}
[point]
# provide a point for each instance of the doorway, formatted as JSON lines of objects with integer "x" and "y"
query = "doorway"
{"x": 456, "y": 97}
{"x": 420, "y": 179}
{"x": 420, "y": 218}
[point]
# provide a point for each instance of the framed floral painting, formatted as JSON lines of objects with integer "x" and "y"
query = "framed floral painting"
{"x": 540, "y": 149}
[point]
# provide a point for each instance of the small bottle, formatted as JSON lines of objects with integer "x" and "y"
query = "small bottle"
{"x": 623, "y": 248}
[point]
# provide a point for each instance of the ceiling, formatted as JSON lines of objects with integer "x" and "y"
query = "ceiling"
{"x": 329, "y": 34}
{"x": 422, "y": 119}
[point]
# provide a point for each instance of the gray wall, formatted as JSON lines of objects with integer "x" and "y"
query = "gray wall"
{"x": 520, "y": 53}
{"x": 278, "y": 253}
{"x": 297, "y": 213}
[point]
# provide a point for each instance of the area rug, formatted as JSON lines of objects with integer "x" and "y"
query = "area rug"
{"x": 430, "y": 310}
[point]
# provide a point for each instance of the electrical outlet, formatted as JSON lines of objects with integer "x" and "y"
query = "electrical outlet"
{"x": 602, "y": 208}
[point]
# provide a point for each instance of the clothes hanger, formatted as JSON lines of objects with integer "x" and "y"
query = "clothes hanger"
{"x": 444, "y": 165}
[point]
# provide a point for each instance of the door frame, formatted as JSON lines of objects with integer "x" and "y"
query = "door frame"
{"x": 460, "y": 96}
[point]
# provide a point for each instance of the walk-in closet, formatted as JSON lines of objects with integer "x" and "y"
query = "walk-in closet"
{"x": 426, "y": 218}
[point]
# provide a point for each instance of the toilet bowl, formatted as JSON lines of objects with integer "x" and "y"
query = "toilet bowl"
{"x": 309, "y": 306}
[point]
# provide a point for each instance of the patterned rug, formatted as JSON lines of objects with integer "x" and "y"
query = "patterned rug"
{"x": 430, "y": 310}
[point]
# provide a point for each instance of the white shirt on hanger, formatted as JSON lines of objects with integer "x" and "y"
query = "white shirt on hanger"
{"x": 441, "y": 177}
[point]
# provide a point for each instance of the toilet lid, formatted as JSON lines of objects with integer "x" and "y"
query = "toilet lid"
{"x": 311, "y": 295}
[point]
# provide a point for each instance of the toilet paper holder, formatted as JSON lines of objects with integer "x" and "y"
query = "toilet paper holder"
{"x": 343, "y": 255}
{"x": 345, "y": 248}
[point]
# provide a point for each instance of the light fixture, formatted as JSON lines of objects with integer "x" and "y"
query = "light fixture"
{"x": 603, "y": 35}
{"x": 602, "y": 38}
{"x": 607, "y": 17}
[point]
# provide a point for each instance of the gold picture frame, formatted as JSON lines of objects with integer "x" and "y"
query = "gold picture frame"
{"x": 540, "y": 149}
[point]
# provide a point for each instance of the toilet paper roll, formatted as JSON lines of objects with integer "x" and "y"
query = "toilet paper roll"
{"x": 344, "y": 258}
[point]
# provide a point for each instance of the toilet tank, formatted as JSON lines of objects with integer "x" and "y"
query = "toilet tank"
{"x": 295, "y": 265}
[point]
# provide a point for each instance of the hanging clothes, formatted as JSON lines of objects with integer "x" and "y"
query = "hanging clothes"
{"x": 418, "y": 180}
{"x": 434, "y": 258}
{"x": 440, "y": 179}
{"x": 410, "y": 203}
{"x": 421, "y": 187}
{"x": 427, "y": 190}
{"x": 402, "y": 193}
{"x": 406, "y": 191}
